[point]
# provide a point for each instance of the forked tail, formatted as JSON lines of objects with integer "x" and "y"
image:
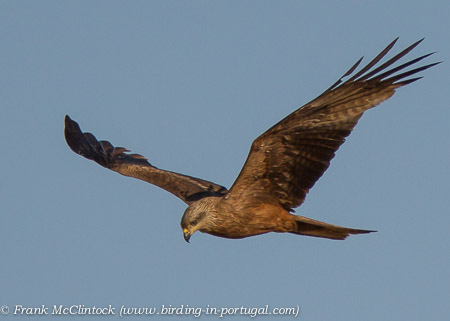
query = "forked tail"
{"x": 307, "y": 226}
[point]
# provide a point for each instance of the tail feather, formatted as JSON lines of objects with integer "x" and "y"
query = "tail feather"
{"x": 307, "y": 226}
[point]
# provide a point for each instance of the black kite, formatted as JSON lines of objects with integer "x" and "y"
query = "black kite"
{"x": 283, "y": 163}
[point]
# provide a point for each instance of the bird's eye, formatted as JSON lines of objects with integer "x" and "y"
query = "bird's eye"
{"x": 194, "y": 222}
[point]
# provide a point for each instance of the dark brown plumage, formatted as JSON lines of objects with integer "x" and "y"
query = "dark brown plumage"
{"x": 283, "y": 163}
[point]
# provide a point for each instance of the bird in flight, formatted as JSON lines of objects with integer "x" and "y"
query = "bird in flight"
{"x": 283, "y": 163}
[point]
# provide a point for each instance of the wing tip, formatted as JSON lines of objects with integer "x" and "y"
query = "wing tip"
{"x": 365, "y": 74}
{"x": 68, "y": 122}
{"x": 102, "y": 152}
{"x": 71, "y": 131}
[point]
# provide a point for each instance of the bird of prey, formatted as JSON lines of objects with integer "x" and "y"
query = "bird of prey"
{"x": 283, "y": 163}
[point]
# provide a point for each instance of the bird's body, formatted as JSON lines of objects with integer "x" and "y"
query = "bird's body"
{"x": 283, "y": 163}
{"x": 228, "y": 219}
{"x": 233, "y": 221}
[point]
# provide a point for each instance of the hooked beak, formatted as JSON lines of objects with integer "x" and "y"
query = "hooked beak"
{"x": 186, "y": 234}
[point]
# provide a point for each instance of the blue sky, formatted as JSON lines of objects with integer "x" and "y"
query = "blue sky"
{"x": 190, "y": 84}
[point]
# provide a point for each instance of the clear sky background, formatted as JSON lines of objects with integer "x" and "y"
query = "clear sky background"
{"x": 190, "y": 84}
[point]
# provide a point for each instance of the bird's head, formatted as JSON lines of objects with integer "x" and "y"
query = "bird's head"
{"x": 198, "y": 216}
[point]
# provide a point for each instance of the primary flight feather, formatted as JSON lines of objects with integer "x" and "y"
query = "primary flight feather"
{"x": 283, "y": 163}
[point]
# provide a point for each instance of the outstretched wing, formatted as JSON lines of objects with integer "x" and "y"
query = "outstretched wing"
{"x": 189, "y": 189}
{"x": 286, "y": 160}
